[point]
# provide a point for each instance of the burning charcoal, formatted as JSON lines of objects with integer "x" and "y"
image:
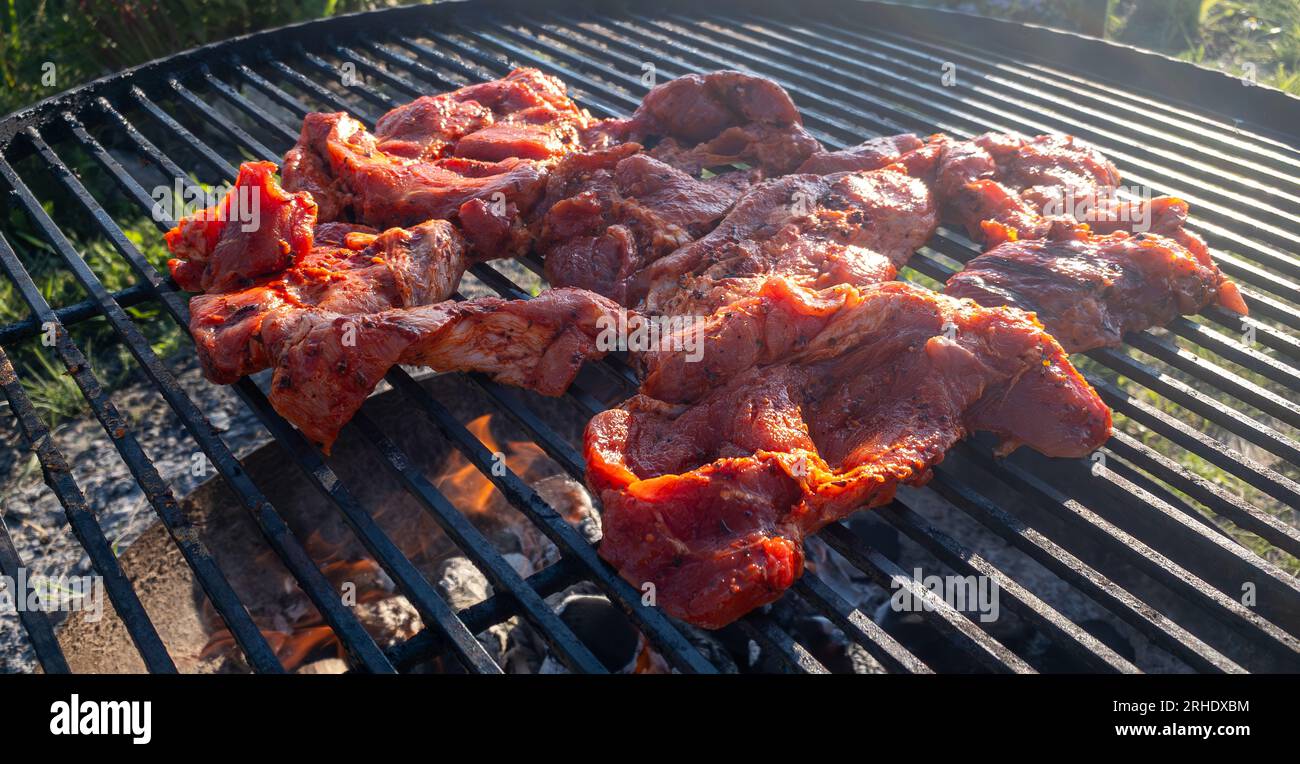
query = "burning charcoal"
{"x": 461, "y": 584}
{"x": 603, "y": 629}
{"x": 570, "y": 498}
{"x": 326, "y": 666}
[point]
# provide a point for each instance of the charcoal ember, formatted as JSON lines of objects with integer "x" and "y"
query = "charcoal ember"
{"x": 325, "y": 666}
{"x": 571, "y": 499}
{"x": 603, "y": 628}
{"x": 461, "y": 584}
{"x": 390, "y": 620}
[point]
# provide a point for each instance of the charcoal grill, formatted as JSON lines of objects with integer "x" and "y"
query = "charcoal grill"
{"x": 1143, "y": 538}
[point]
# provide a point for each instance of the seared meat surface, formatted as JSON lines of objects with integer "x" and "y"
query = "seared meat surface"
{"x": 845, "y": 228}
{"x": 710, "y": 500}
{"x": 1090, "y": 290}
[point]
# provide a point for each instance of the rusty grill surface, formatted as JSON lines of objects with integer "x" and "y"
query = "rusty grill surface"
{"x": 1166, "y": 566}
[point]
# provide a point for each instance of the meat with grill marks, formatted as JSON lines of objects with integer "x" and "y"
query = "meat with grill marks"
{"x": 1090, "y": 290}
{"x": 818, "y": 231}
{"x": 711, "y": 500}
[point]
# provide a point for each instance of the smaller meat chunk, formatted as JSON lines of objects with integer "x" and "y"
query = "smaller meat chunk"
{"x": 257, "y": 229}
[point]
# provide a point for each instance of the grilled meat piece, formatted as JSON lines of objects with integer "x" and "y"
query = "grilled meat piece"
{"x": 710, "y": 501}
{"x": 350, "y": 270}
{"x": 609, "y": 213}
{"x": 477, "y": 155}
{"x": 1090, "y": 290}
{"x": 920, "y": 157}
{"x": 717, "y": 119}
{"x": 846, "y": 228}
{"x": 1008, "y": 178}
{"x": 526, "y": 114}
{"x": 255, "y": 230}
{"x": 326, "y": 364}
{"x": 352, "y": 179}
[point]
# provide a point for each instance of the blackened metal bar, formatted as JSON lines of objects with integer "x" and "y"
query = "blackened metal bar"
{"x": 320, "y": 92}
{"x": 1219, "y": 500}
{"x": 858, "y": 627}
{"x": 222, "y": 122}
{"x": 254, "y": 111}
{"x": 771, "y": 637}
{"x": 378, "y": 72}
{"x": 491, "y": 611}
{"x": 1070, "y": 569}
{"x": 380, "y": 99}
{"x": 498, "y": 571}
{"x": 1096, "y": 655}
{"x": 1197, "y": 592}
{"x": 952, "y": 624}
{"x": 359, "y": 645}
{"x": 224, "y": 169}
{"x": 393, "y": 58}
{"x": 35, "y": 622}
{"x": 570, "y": 542}
{"x": 72, "y": 314}
{"x": 245, "y": 632}
{"x": 434, "y": 611}
{"x": 81, "y": 519}
{"x": 268, "y": 88}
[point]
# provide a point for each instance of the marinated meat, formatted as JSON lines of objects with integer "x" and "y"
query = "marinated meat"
{"x": 327, "y": 363}
{"x": 721, "y": 118}
{"x": 1090, "y": 290}
{"x": 845, "y": 228}
{"x": 256, "y": 229}
{"x": 350, "y": 270}
{"x": 610, "y": 213}
{"x": 710, "y": 501}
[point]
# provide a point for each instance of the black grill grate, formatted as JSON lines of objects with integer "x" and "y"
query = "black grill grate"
{"x": 855, "y": 69}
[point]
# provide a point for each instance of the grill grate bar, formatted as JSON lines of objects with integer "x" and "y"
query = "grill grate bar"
{"x": 957, "y": 627}
{"x": 156, "y": 490}
{"x": 1218, "y": 605}
{"x": 859, "y": 627}
{"x": 1155, "y": 625}
{"x": 37, "y": 625}
{"x": 1229, "y": 157}
{"x": 75, "y": 313}
{"x": 794, "y": 656}
{"x": 498, "y": 571}
{"x": 58, "y": 473}
{"x": 1080, "y": 643}
{"x": 650, "y": 620}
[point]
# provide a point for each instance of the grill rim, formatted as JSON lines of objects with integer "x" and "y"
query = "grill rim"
{"x": 760, "y": 629}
